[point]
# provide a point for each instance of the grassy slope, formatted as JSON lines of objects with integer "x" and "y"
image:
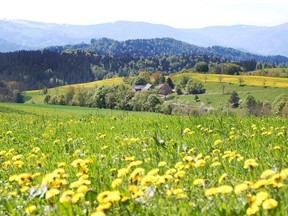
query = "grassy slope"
{"x": 58, "y": 110}
{"x": 109, "y": 138}
{"x": 214, "y": 88}
{"x": 37, "y": 95}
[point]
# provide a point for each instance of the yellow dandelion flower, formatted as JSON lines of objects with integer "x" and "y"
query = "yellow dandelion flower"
{"x": 124, "y": 199}
{"x": 164, "y": 179}
{"x": 76, "y": 197}
{"x": 216, "y": 152}
{"x": 35, "y": 175}
{"x": 217, "y": 142}
{"x": 217, "y": 163}
{"x": 267, "y": 173}
{"x": 23, "y": 178}
{"x": 139, "y": 193}
{"x": 200, "y": 163}
{"x": 8, "y": 133}
{"x": 181, "y": 196}
{"x": 17, "y": 157}
{"x": 59, "y": 171}
{"x": 169, "y": 193}
{"x": 260, "y": 183}
{"x": 211, "y": 191}
{"x": 225, "y": 189}
{"x": 240, "y": 158}
{"x": 78, "y": 163}
{"x": 177, "y": 191}
{"x": 254, "y": 201}
{"x": 198, "y": 182}
{"x": 187, "y": 158}
{"x": 82, "y": 189}
{"x": 192, "y": 150}
{"x": 102, "y": 207}
{"x": 108, "y": 196}
{"x": 76, "y": 184}
{"x": 262, "y": 195}
{"x": 132, "y": 158}
{"x": 3, "y": 152}
{"x": 13, "y": 178}
{"x": 284, "y": 173}
{"x": 18, "y": 163}
{"x": 269, "y": 204}
{"x": 276, "y": 147}
{"x": 250, "y": 163}
{"x": 134, "y": 163}
{"x": 56, "y": 141}
{"x": 30, "y": 209}
{"x": 222, "y": 177}
{"x": 187, "y": 131}
{"x": 61, "y": 164}
{"x": 240, "y": 188}
{"x": 12, "y": 193}
{"x": 133, "y": 188}
{"x": 24, "y": 189}
{"x": 36, "y": 149}
{"x": 122, "y": 172}
{"x": 113, "y": 170}
{"x": 104, "y": 147}
{"x": 179, "y": 165}
{"x": 252, "y": 210}
{"x": 148, "y": 180}
{"x": 66, "y": 196}
{"x": 180, "y": 174}
{"x": 153, "y": 172}
{"x": 116, "y": 182}
{"x": 171, "y": 171}
{"x": 136, "y": 174}
{"x": 199, "y": 156}
{"x": 162, "y": 164}
{"x": 190, "y": 165}
{"x": 51, "y": 193}
{"x": 70, "y": 140}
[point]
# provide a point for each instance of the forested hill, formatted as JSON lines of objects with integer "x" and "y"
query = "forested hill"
{"x": 165, "y": 46}
{"x": 36, "y": 69}
{"x": 105, "y": 58}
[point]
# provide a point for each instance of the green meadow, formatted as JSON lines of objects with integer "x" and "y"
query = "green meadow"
{"x": 65, "y": 160}
{"x": 262, "y": 88}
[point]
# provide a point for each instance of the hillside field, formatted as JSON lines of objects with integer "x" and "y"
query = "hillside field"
{"x": 262, "y": 88}
{"x": 64, "y": 160}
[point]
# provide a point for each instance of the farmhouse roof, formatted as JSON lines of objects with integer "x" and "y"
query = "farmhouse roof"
{"x": 142, "y": 87}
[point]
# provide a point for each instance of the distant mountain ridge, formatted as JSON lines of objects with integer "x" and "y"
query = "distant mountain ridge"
{"x": 19, "y": 34}
{"x": 164, "y": 46}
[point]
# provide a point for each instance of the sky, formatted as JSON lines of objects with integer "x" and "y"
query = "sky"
{"x": 175, "y": 13}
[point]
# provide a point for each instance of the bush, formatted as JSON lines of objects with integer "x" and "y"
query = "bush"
{"x": 195, "y": 87}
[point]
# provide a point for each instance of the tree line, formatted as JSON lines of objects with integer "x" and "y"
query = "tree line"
{"x": 39, "y": 69}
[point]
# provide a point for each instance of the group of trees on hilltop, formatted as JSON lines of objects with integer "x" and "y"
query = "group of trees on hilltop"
{"x": 120, "y": 97}
{"x": 252, "y": 106}
{"x": 11, "y": 92}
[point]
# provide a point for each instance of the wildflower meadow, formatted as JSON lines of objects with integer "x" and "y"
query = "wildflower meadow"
{"x": 59, "y": 160}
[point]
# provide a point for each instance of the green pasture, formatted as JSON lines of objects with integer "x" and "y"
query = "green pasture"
{"x": 64, "y": 160}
